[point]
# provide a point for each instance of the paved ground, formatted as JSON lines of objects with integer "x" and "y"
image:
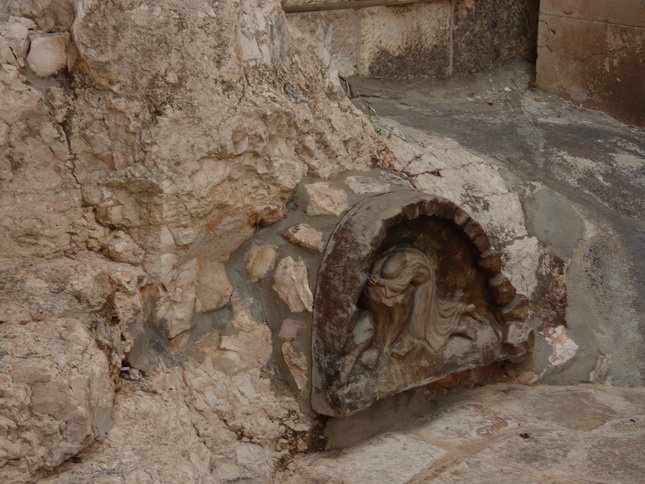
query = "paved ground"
{"x": 500, "y": 434}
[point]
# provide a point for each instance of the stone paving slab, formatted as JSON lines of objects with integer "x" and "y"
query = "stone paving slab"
{"x": 500, "y": 434}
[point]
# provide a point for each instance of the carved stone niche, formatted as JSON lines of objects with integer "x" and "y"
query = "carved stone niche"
{"x": 409, "y": 292}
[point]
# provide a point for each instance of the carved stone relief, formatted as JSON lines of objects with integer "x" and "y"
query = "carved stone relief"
{"x": 409, "y": 292}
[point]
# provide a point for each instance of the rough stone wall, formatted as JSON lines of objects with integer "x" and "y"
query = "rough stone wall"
{"x": 591, "y": 52}
{"x": 428, "y": 39}
{"x": 140, "y": 144}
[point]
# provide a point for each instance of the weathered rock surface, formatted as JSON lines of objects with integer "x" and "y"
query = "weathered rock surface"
{"x": 158, "y": 138}
{"x": 216, "y": 420}
{"x": 128, "y": 178}
{"x": 65, "y": 330}
{"x": 14, "y": 43}
{"x": 297, "y": 364}
{"x": 54, "y": 405}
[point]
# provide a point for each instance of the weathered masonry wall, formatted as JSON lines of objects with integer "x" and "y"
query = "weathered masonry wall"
{"x": 592, "y": 52}
{"x": 433, "y": 38}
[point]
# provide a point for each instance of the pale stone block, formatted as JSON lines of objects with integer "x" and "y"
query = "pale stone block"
{"x": 259, "y": 260}
{"x": 292, "y": 285}
{"x": 182, "y": 294}
{"x": 325, "y": 199}
{"x": 521, "y": 261}
{"x": 305, "y": 236}
{"x": 363, "y": 184}
{"x": 564, "y": 348}
{"x": 48, "y": 54}
{"x": 297, "y": 364}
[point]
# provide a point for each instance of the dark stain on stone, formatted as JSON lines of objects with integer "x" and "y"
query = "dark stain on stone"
{"x": 487, "y": 34}
{"x": 415, "y": 62}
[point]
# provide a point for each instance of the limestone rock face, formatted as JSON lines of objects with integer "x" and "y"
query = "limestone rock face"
{"x": 54, "y": 405}
{"x": 192, "y": 148}
{"x": 48, "y": 15}
{"x": 159, "y": 137}
{"x": 40, "y": 204}
{"x": 14, "y": 44}
{"x": 64, "y": 327}
{"x": 212, "y": 421}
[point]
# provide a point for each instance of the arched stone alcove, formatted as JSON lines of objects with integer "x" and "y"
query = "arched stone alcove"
{"x": 409, "y": 292}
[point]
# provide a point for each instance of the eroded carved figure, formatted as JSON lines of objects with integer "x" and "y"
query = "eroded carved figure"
{"x": 403, "y": 311}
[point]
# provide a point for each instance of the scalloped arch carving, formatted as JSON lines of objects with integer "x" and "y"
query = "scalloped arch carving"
{"x": 409, "y": 292}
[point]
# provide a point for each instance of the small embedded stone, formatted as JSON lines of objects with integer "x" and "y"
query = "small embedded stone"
{"x": 517, "y": 333}
{"x": 564, "y": 348}
{"x": 518, "y": 340}
{"x": 305, "y": 236}
{"x": 121, "y": 248}
{"x": 290, "y": 328}
{"x": 297, "y": 364}
{"x": 325, "y": 199}
{"x": 292, "y": 285}
{"x": 259, "y": 260}
{"x": 363, "y": 184}
{"x": 213, "y": 287}
{"x": 48, "y": 54}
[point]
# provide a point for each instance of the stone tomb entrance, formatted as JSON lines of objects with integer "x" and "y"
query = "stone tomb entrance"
{"x": 409, "y": 292}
